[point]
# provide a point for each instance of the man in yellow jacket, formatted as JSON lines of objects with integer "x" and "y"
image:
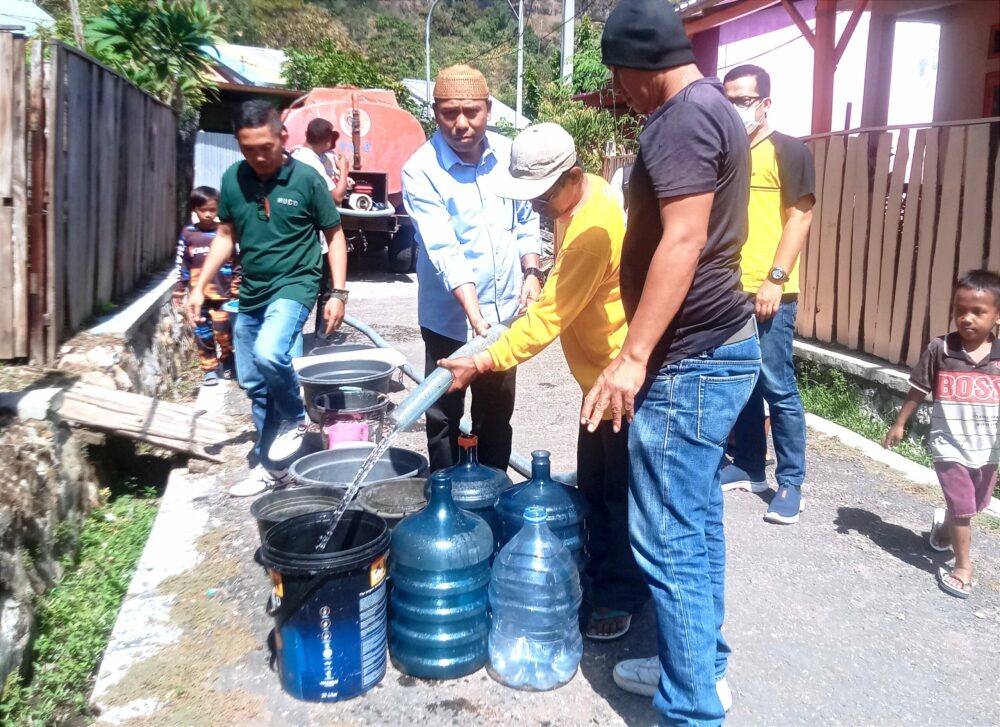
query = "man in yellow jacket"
{"x": 581, "y": 305}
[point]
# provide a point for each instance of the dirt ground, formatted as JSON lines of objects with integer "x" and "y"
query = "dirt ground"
{"x": 836, "y": 620}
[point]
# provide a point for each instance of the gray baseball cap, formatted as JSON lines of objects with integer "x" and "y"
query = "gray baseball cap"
{"x": 538, "y": 156}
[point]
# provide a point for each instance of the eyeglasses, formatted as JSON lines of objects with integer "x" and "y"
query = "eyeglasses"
{"x": 263, "y": 207}
{"x": 744, "y": 102}
{"x": 553, "y": 190}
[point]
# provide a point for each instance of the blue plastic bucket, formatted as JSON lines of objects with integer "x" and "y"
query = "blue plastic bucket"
{"x": 329, "y": 609}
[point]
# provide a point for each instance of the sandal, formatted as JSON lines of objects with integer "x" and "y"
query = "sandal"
{"x": 962, "y": 590}
{"x": 596, "y": 618}
{"x": 937, "y": 525}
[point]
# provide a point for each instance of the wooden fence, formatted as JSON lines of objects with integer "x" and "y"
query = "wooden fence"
{"x": 900, "y": 213}
{"x": 13, "y": 199}
{"x": 103, "y": 162}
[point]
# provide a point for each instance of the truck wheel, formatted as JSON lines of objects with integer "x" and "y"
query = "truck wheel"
{"x": 402, "y": 251}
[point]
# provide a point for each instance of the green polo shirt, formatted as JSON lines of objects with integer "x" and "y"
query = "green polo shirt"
{"x": 279, "y": 248}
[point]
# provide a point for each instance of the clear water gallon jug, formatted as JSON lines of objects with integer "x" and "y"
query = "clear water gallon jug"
{"x": 535, "y": 641}
{"x": 439, "y": 570}
{"x": 565, "y": 507}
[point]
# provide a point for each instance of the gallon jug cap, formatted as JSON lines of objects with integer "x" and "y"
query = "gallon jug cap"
{"x": 541, "y": 454}
{"x": 468, "y": 441}
{"x": 534, "y": 514}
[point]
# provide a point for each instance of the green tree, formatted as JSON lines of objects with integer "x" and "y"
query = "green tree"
{"x": 158, "y": 46}
{"x": 589, "y": 73}
{"x": 327, "y": 65}
{"x": 396, "y": 46}
{"x": 591, "y": 128}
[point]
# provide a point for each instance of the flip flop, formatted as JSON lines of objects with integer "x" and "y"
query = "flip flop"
{"x": 937, "y": 523}
{"x": 596, "y": 617}
{"x": 944, "y": 574}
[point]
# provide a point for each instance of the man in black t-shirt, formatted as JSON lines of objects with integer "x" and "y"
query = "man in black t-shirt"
{"x": 691, "y": 357}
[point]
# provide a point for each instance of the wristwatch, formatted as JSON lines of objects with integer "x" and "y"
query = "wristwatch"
{"x": 777, "y": 275}
{"x": 536, "y": 272}
{"x": 339, "y": 294}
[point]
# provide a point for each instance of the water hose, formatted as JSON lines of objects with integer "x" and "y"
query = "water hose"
{"x": 518, "y": 462}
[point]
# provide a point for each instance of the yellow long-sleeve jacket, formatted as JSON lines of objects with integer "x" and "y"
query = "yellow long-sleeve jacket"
{"x": 581, "y": 301}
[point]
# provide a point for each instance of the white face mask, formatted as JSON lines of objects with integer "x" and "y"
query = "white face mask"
{"x": 748, "y": 117}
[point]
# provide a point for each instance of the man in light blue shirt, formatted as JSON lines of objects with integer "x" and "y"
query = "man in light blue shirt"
{"x": 478, "y": 256}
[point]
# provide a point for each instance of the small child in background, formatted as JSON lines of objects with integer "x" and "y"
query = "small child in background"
{"x": 962, "y": 371}
{"x": 213, "y": 328}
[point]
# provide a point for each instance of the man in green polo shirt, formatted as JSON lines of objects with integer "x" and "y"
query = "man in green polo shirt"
{"x": 272, "y": 206}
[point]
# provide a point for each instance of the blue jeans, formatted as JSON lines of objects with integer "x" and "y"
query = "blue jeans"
{"x": 266, "y": 340}
{"x": 676, "y": 445}
{"x": 777, "y": 386}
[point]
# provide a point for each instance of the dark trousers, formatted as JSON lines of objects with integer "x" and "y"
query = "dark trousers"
{"x": 325, "y": 290}
{"x": 492, "y": 407}
{"x": 615, "y": 580}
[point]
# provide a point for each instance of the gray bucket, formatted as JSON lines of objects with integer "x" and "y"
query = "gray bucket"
{"x": 393, "y": 500}
{"x": 337, "y": 467}
{"x": 280, "y": 505}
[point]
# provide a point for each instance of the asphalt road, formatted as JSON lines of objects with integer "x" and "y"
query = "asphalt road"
{"x": 834, "y": 621}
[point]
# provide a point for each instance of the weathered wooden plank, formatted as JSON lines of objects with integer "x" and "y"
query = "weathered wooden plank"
{"x": 79, "y": 285}
{"x": 174, "y": 426}
{"x": 946, "y": 244}
{"x": 6, "y": 281}
{"x": 19, "y": 198}
{"x": 930, "y": 186}
{"x": 858, "y": 146}
{"x": 994, "y": 243}
{"x": 971, "y": 247}
{"x": 8, "y": 88}
{"x": 55, "y": 175}
{"x": 809, "y": 264}
{"x": 826, "y": 284}
{"x": 873, "y": 268}
{"x": 844, "y": 249}
{"x": 890, "y": 245}
{"x": 107, "y": 173}
{"x": 899, "y": 319}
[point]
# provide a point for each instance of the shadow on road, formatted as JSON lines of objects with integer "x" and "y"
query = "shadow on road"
{"x": 897, "y": 541}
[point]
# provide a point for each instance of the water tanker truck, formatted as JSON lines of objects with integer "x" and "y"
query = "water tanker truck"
{"x": 377, "y": 136}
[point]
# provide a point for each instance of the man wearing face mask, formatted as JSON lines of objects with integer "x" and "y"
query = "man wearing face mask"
{"x": 478, "y": 258}
{"x": 782, "y": 195}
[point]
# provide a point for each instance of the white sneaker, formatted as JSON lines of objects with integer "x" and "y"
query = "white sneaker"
{"x": 288, "y": 440}
{"x": 642, "y": 677}
{"x": 725, "y": 694}
{"x": 638, "y": 676}
{"x": 260, "y": 480}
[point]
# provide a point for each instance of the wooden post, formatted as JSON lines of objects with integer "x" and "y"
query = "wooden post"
{"x": 824, "y": 65}
{"x": 36, "y": 226}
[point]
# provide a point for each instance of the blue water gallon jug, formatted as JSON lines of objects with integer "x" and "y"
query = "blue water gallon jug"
{"x": 476, "y": 487}
{"x": 439, "y": 570}
{"x": 565, "y": 507}
{"x": 535, "y": 641}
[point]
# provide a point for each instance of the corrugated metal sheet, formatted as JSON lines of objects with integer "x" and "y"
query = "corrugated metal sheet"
{"x": 214, "y": 153}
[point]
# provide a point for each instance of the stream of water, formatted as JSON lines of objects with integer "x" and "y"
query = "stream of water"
{"x": 352, "y": 490}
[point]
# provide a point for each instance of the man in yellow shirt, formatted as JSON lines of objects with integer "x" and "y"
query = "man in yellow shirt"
{"x": 581, "y": 305}
{"x": 782, "y": 194}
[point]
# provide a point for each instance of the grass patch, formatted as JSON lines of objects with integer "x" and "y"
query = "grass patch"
{"x": 76, "y": 617}
{"x": 827, "y": 393}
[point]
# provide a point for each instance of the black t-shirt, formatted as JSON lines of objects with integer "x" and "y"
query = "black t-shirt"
{"x": 694, "y": 143}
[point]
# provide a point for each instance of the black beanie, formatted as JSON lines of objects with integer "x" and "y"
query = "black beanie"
{"x": 645, "y": 34}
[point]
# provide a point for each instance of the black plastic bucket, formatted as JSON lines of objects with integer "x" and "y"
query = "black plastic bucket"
{"x": 329, "y": 608}
{"x": 280, "y": 505}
